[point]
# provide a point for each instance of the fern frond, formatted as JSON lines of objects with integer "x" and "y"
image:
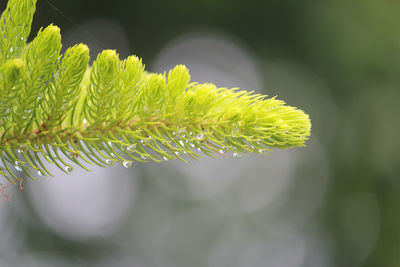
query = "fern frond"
{"x": 56, "y": 109}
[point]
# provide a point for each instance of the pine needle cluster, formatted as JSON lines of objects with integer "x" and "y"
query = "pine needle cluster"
{"x": 55, "y": 108}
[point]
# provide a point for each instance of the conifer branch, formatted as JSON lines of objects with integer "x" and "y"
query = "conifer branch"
{"x": 56, "y": 109}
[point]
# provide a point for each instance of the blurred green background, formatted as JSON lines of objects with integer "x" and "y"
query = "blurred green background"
{"x": 333, "y": 203}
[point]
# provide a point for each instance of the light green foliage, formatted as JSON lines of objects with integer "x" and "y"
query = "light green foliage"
{"x": 15, "y": 26}
{"x": 55, "y": 108}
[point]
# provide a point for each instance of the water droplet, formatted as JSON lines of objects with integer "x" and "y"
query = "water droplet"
{"x": 27, "y": 111}
{"x": 22, "y": 38}
{"x": 131, "y": 148}
{"x": 143, "y": 157}
{"x": 21, "y": 149}
{"x": 11, "y": 50}
{"x": 84, "y": 121}
{"x": 8, "y": 110}
{"x": 144, "y": 142}
{"x": 199, "y": 149}
{"x": 190, "y": 143}
{"x": 177, "y": 153}
{"x": 68, "y": 168}
{"x": 40, "y": 173}
{"x": 110, "y": 143}
{"x": 112, "y": 155}
{"x": 174, "y": 133}
{"x": 222, "y": 151}
{"x": 17, "y": 166}
{"x": 181, "y": 143}
{"x": 24, "y": 117}
{"x": 181, "y": 132}
{"x": 127, "y": 164}
{"x": 191, "y": 133}
{"x": 39, "y": 97}
{"x": 108, "y": 161}
{"x": 236, "y": 155}
{"x": 260, "y": 151}
{"x": 200, "y": 136}
{"x": 165, "y": 158}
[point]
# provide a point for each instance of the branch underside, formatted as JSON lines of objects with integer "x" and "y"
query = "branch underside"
{"x": 127, "y": 142}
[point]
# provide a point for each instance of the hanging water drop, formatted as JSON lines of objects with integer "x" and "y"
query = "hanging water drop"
{"x": 261, "y": 151}
{"x": 17, "y": 166}
{"x": 68, "y": 169}
{"x": 143, "y": 157}
{"x": 200, "y": 136}
{"x": 11, "y": 50}
{"x": 236, "y": 155}
{"x": 127, "y": 164}
{"x": 108, "y": 161}
{"x": 131, "y": 148}
{"x": 222, "y": 151}
{"x": 112, "y": 155}
{"x": 165, "y": 158}
{"x": 144, "y": 142}
{"x": 21, "y": 149}
{"x": 177, "y": 153}
{"x": 181, "y": 133}
{"x": 40, "y": 173}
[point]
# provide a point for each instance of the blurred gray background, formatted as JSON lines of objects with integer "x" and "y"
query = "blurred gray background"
{"x": 332, "y": 203}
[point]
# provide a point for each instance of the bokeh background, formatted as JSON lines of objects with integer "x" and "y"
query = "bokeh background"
{"x": 333, "y": 203}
